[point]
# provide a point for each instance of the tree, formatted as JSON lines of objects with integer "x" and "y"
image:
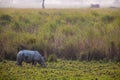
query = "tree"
{"x": 43, "y": 4}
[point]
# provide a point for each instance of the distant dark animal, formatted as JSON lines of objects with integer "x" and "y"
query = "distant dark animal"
{"x": 30, "y": 56}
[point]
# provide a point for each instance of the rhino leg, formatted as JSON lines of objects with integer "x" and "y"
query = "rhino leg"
{"x": 34, "y": 63}
{"x": 20, "y": 63}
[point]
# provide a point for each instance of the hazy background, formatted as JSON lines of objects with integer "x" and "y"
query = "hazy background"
{"x": 58, "y": 3}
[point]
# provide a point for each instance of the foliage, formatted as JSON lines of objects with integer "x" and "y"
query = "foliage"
{"x": 80, "y": 34}
{"x": 52, "y": 58}
{"x": 61, "y": 70}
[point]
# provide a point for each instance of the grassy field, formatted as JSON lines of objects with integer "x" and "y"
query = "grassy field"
{"x": 89, "y": 37}
{"x": 83, "y": 34}
{"x": 61, "y": 70}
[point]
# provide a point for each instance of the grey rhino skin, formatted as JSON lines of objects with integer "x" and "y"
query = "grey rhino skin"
{"x": 30, "y": 56}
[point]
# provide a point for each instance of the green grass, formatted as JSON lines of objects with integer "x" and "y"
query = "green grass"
{"x": 83, "y": 34}
{"x": 73, "y": 34}
{"x": 61, "y": 70}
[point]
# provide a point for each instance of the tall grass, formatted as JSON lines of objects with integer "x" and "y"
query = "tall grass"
{"x": 83, "y": 34}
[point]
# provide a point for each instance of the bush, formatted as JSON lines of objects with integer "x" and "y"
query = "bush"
{"x": 108, "y": 18}
{"x": 52, "y": 58}
{"x": 5, "y": 19}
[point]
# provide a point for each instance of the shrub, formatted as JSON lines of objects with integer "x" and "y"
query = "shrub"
{"x": 5, "y": 19}
{"x": 107, "y": 18}
{"x": 52, "y": 58}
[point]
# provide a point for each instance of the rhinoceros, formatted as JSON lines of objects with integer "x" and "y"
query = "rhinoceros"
{"x": 30, "y": 56}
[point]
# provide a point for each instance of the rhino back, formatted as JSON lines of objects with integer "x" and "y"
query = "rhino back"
{"x": 28, "y": 54}
{"x": 37, "y": 56}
